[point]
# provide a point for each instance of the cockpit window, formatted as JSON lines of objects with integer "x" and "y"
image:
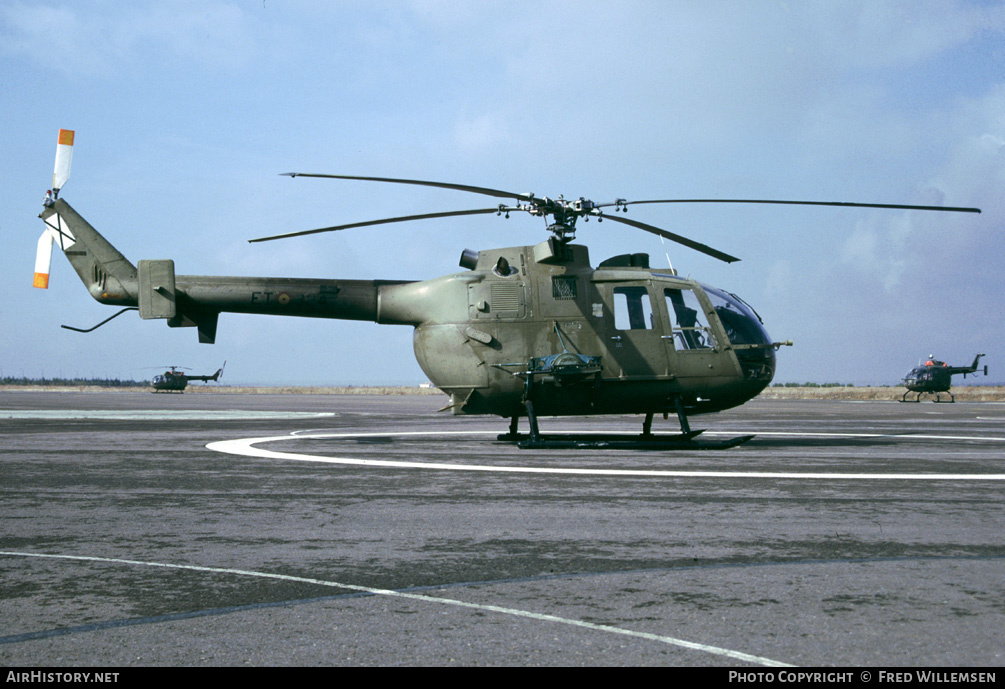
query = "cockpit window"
{"x": 690, "y": 328}
{"x": 632, "y": 310}
{"x": 742, "y": 325}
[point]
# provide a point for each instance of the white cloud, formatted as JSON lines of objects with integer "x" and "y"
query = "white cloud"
{"x": 871, "y": 35}
{"x": 860, "y": 249}
{"x": 479, "y": 133}
{"x": 778, "y": 282}
{"x": 108, "y": 40}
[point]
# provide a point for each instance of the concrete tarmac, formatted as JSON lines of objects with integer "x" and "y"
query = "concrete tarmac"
{"x": 360, "y": 530}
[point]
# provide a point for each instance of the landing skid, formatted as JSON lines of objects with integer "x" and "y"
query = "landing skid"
{"x": 685, "y": 440}
{"x": 593, "y": 441}
{"x": 938, "y": 397}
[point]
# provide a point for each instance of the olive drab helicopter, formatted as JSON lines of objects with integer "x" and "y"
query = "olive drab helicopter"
{"x": 522, "y": 331}
{"x": 935, "y": 377}
{"x": 173, "y": 380}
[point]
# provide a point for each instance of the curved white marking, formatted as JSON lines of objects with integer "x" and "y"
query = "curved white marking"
{"x": 541, "y": 617}
{"x": 246, "y": 447}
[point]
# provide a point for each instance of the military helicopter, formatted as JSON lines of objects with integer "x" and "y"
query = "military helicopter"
{"x": 173, "y": 380}
{"x": 522, "y": 331}
{"x": 935, "y": 376}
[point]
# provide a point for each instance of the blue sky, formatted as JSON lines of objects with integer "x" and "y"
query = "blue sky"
{"x": 185, "y": 113}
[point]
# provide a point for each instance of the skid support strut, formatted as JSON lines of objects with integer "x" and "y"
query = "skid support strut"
{"x": 685, "y": 440}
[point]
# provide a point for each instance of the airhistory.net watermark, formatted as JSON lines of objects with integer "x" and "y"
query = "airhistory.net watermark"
{"x": 43, "y": 676}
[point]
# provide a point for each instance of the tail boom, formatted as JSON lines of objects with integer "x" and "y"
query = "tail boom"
{"x": 197, "y": 300}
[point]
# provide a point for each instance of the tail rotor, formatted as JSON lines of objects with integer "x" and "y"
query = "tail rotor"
{"x": 43, "y": 259}
{"x": 64, "y": 155}
{"x": 60, "y": 175}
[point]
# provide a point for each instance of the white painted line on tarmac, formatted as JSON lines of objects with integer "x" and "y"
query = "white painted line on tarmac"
{"x": 897, "y": 436}
{"x": 540, "y": 617}
{"x": 247, "y": 447}
{"x": 156, "y": 414}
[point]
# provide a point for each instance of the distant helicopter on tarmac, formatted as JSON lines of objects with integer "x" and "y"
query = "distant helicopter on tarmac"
{"x": 520, "y": 331}
{"x": 174, "y": 380}
{"x": 935, "y": 376}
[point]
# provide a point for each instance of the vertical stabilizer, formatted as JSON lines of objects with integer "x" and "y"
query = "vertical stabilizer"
{"x": 108, "y": 275}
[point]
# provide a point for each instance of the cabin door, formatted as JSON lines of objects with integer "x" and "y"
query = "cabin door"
{"x": 633, "y": 332}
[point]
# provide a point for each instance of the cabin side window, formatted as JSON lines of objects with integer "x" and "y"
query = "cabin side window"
{"x": 632, "y": 309}
{"x": 690, "y": 328}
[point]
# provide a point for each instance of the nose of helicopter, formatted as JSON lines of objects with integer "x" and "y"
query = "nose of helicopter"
{"x": 757, "y": 364}
{"x": 747, "y": 335}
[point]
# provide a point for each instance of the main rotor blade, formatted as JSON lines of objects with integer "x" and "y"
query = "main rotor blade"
{"x": 443, "y": 185}
{"x": 952, "y": 209}
{"x": 697, "y": 246}
{"x": 406, "y": 218}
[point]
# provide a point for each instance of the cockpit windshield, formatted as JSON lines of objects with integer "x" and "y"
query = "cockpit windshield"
{"x": 746, "y": 334}
{"x": 741, "y": 322}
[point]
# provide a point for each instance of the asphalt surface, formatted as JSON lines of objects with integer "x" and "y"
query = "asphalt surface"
{"x": 375, "y": 531}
